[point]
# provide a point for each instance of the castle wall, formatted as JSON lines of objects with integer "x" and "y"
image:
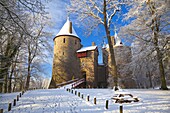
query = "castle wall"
{"x": 89, "y": 66}
{"x": 66, "y": 65}
{"x": 102, "y": 76}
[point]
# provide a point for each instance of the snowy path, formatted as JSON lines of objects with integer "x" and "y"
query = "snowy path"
{"x": 151, "y": 101}
{"x": 6, "y": 98}
{"x": 52, "y": 101}
{"x": 62, "y": 101}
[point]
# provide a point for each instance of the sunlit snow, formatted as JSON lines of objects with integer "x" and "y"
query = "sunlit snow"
{"x": 62, "y": 101}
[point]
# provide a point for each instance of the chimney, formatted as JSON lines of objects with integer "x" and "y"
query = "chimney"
{"x": 70, "y": 27}
{"x": 93, "y": 44}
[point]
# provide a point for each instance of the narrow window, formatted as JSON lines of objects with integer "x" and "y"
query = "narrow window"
{"x": 75, "y": 42}
{"x": 64, "y": 40}
{"x": 63, "y": 53}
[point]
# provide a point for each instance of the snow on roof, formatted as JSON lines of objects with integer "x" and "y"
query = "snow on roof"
{"x": 65, "y": 30}
{"x": 89, "y": 48}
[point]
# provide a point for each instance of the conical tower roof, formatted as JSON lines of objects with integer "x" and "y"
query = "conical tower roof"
{"x": 65, "y": 30}
{"x": 118, "y": 41}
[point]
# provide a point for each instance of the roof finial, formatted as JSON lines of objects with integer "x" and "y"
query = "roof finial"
{"x": 115, "y": 29}
{"x": 68, "y": 18}
{"x": 118, "y": 41}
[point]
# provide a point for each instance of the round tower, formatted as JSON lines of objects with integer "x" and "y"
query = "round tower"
{"x": 65, "y": 62}
{"x": 123, "y": 58}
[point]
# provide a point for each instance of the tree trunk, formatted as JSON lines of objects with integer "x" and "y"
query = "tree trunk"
{"x": 13, "y": 89}
{"x": 28, "y": 79}
{"x": 10, "y": 80}
{"x": 10, "y": 83}
{"x": 111, "y": 49}
{"x": 10, "y": 52}
{"x": 161, "y": 70}
{"x": 29, "y": 68}
{"x": 160, "y": 62}
{"x": 159, "y": 55}
{"x": 4, "y": 72}
{"x": 150, "y": 80}
{"x": 156, "y": 29}
{"x": 21, "y": 87}
{"x": 5, "y": 85}
{"x": 29, "y": 75}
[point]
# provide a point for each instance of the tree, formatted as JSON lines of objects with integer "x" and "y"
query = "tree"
{"x": 14, "y": 16}
{"x": 149, "y": 22}
{"x": 145, "y": 69}
{"x": 94, "y": 13}
{"x": 37, "y": 47}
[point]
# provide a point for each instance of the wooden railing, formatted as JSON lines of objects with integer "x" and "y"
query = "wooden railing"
{"x": 67, "y": 82}
{"x": 80, "y": 81}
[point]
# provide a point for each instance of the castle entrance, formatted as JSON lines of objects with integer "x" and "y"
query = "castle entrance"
{"x": 84, "y": 76}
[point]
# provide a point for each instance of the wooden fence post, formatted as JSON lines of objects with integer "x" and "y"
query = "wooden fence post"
{"x": 107, "y": 103}
{"x": 94, "y": 100}
{"x": 88, "y": 97}
{"x": 121, "y": 108}
{"x": 22, "y": 92}
{"x": 9, "y": 106}
{"x": 17, "y": 97}
{"x": 82, "y": 96}
{"x": 14, "y": 104}
{"x": 1, "y": 111}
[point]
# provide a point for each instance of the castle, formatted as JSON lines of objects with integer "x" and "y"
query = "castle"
{"x": 72, "y": 60}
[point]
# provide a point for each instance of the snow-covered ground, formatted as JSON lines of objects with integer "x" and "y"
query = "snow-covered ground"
{"x": 62, "y": 101}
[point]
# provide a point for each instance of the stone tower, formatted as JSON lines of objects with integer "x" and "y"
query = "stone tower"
{"x": 123, "y": 57}
{"x": 66, "y": 65}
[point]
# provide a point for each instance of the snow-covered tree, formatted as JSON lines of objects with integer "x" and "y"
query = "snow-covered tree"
{"x": 15, "y": 17}
{"x": 34, "y": 46}
{"x": 145, "y": 69}
{"x": 149, "y": 24}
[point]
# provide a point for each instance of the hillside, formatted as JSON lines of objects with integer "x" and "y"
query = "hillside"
{"x": 62, "y": 101}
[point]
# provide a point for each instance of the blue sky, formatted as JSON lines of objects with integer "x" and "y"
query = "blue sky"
{"x": 58, "y": 15}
